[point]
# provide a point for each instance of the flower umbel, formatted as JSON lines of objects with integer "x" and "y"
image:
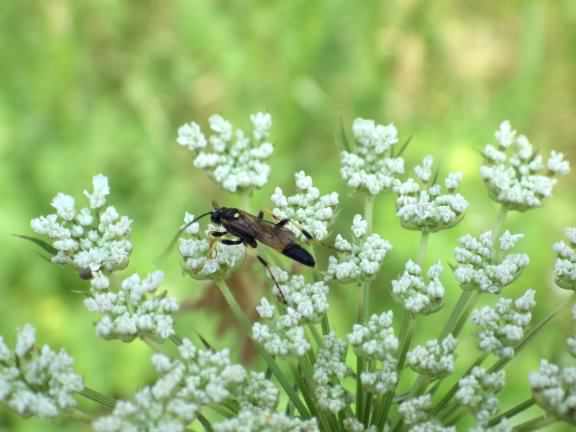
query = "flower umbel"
{"x": 234, "y": 160}
{"x": 413, "y": 411}
{"x": 376, "y": 341}
{"x": 565, "y": 265}
{"x": 255, "y": 420}
{"x": 136, "y": 310}
{"x": 417, "y": 294}
{"x": 515, "y": 174}
{"x": 329, "y": 371}
{"x": 307, "y": 209}
{"x": 205, "y": 258}
{"x": 197, "y": 379}
{"x": 434, "y": 359}
{"x": 422, "y": 205}
{"x": 554, "y": 389}
{"x": 502, "y": 327}
{"x": 360, "y": 259}
{"x": 478, "y": 268}
{"x": 478, "y": 391}
{"x": 371, "y": 166}
{"x": 282, "y": 333}
{"x": 94, "y": 240}
{"x": 37, "y": 381}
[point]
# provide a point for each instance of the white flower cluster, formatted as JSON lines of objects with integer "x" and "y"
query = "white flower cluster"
{"x": 282, "y": 334}
{"x": 415, "y": 415}
{"x": 231, "y": 158}
{"x": 413, "y": 410}
{"x": 352, "y": 424}
{"x": 422, "y": 204}
{"x": 308, "y": 209}
{"x": 205, "y": 258}
{"x": 258, "y": 420}
{"x": 502, "y": 327}
{"x": 371, "y": 166}
{"x": 431, "y": 426}
{"x": 434, "y": 359}
{"x": 415, "y": 293}
{"x": 329, "y": 371}
{"x": 359, "y": 259}
{"x": 478, "y": 390}
{"x": 565, "y": 265}
{"x": 36, "y": 381}
{"x": 94, "y": 239}
{"x": 376, "y": 341}
{"x": 135, "y": 310}
{"x": 502, "y": 426}
{"x": 515, "y": 174}
{"x": 554, "y": 388}
{"x": 477, "y": 267}
{"x": 199, "y": 378}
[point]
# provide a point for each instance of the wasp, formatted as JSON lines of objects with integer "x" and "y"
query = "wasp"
{"x": 249, "y": 230}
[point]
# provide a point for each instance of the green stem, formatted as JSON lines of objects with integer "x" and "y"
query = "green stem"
{"x": 315, "y": 335}
{"x": 497, "y": 231}
{"x": 512, "y": 411}
{"x": 455, "y": 417}
{"x": 359, "y": 388}
{"x": 245, "y": 200}
{"x": 459, "y": 324}
{"x": 97, "y": 397}
{"x": 325, "y": 324}
{"x": 276, "y": 371}
{"x": 176, "y": 340}
{"x": 535, "y": 424}
{"x": 423, "y": 249}
{"x": 460, "y": 306}
{"x": 369, "y": 211}
{"x": 205, "y": 423}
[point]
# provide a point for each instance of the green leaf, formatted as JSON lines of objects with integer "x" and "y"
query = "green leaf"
{"x": 44, "y": 245}
{"x": 344, "y": 137}
{"x": 404, "y": 146}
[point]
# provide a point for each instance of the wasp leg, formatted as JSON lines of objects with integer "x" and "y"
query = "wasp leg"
{"x": 269, "y": 270}
{"x": 231, "y": 242}
{"x": 218, "y": 233}
{"x": 282, "y": 222}
{"x": 305, "y": 233}
{"x": 215, "y": 235}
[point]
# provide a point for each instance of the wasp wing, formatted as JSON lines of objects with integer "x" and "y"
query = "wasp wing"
{"x": 281, "y": 239}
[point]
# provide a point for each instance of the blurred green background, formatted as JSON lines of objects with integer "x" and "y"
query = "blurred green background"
{"x": 100, "y": 86}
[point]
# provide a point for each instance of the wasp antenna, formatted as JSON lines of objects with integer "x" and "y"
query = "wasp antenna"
{"x": 179, "y": 233}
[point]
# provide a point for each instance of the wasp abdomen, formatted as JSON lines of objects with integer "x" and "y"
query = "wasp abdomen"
{"x": 298, "y": 253}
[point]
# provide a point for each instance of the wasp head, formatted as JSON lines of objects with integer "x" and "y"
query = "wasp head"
{"x": 222, "y": 214}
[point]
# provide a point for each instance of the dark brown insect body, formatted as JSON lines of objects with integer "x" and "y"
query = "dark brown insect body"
{"x": 250, "y": 230}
